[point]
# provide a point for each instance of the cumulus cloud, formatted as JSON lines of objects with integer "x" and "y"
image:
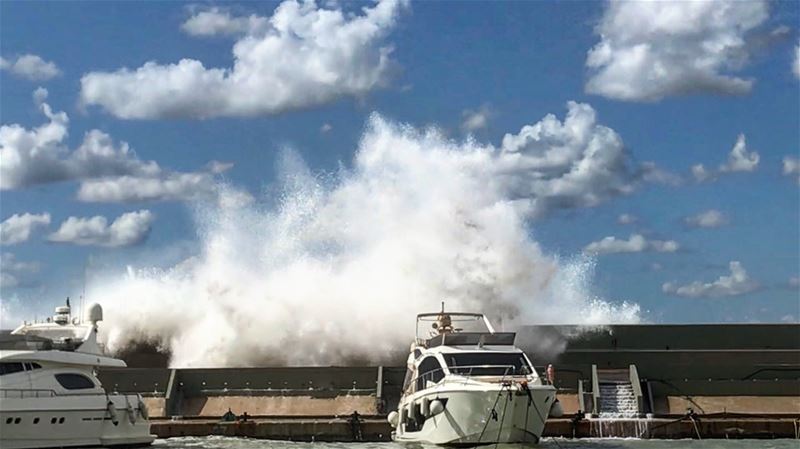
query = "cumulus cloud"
{"x": 31, "y": 67}
{"x": 701, "y": 174}
{"x": 626, "y": 219}
{"x": 325, "y": 127}
{"x": 711, "y": 218}
{"x": 796, "y": 64}
{"x": 107, "y": 171}
{"x": 649, "y": 50}
{"x": 574, "y": 163}
{"x": 218, "y": 167}
{"x": 739, "y": 160}
{"x": 738, "y": 283}
{"x": 168, "y": 187}
{"x": 636, "y": 243}
{"x": 128, "y": 229}
{"x": 651, "y": 173}
{"x": 18, "y": 228}
{"x": 474, "y": 120}
{"x": 216, "y": 21}
{"x": 791, "y": 167}
{"x": 302, "y": 56}
{"x": 13, "y": 273}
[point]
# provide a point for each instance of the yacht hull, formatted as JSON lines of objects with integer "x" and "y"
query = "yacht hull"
{"x": 73, "y": 421}
{"x": 468, "y": 418}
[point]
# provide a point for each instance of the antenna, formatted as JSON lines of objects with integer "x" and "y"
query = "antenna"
{"x": 85, "y": 275}
{"x": 442, "y": 306}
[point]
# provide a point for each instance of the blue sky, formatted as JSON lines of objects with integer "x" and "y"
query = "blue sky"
{"x": 505, "y": 65}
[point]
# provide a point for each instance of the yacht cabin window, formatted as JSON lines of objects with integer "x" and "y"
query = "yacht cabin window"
{"x": 488, "y": 363}
{"x": 429, "y": 371}
{"x": 72, "y": 381}
{"x": 11, "y": 367}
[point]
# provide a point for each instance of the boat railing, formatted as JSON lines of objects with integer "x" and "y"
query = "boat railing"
{"x": 467, "y": 372}
{"x": 23, "y": 393}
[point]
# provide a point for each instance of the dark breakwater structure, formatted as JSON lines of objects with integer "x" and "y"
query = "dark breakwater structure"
{"x": 646, "y": 381}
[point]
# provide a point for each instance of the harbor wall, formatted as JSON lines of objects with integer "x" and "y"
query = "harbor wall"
{"x": 743, "y": 368}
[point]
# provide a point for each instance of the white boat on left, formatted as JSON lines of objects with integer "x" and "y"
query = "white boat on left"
{"x": 50, "y": 396}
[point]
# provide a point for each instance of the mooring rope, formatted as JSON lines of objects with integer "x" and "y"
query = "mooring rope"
{"x": 502, "y": 419}
{"x": 486, "y": 423}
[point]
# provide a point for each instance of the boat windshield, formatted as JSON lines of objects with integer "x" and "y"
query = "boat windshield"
{"x": 488, "y": 363}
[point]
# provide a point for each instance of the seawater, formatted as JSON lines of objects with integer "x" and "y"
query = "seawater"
{"x": 547, "y": 443}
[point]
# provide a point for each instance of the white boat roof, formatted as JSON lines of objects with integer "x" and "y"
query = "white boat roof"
{"x": 468, "y": 348}
{"x": 61, "y": 357}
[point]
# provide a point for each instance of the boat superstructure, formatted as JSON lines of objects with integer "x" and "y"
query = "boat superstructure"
{"x": 50, "y": 395}
{"x": 468, "y": 385}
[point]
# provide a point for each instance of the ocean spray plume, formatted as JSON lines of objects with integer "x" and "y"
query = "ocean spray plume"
{"x": 338, "y": 267}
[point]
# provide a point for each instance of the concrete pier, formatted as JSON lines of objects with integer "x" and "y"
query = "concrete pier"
{"x": 696, "y": 381}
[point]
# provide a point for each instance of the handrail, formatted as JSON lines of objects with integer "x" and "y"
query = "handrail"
{"x": 595, "y": 390}
{"x": 49, "y": 393}
{"x": 33, "y": 393}
{"x": 636, "y": 385}
{"x": 451, "y": 370}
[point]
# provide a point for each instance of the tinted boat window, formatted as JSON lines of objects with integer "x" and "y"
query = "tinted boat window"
{"x": 429, "y": 370}
{"x": 74, "y": 381}
{"x": 487, "y": 363}
{"x": 9, "y": 368}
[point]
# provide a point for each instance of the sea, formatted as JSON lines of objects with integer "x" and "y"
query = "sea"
{"x": 213, "y": 442}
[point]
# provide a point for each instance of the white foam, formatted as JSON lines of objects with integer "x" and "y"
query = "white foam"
{"x": 336, "y": 268}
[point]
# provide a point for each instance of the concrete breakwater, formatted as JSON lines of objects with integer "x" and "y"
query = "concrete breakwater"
{"x": 706, "y": 381}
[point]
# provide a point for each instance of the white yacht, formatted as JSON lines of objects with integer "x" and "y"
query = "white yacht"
{"x": 470, "y": 386}
{"x": 49, "y": 392}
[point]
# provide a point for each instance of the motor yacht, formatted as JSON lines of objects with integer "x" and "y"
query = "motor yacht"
{"x": 468, "y": 385}
{"x": 50, "y": 395}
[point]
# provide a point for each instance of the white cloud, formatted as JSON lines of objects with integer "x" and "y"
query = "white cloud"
{"x": 739, "y": 160}
{"x": 325, "y": 127}
{"x": 655, "y": 266}
{"x": 217, "y": 167}
{"x": 13, "y": 272}
{"x": 653, "y": 174}
{"x": 306, "y": 56}
{"x": 31, "y": 67}
{"x": 796, "y": 64}
{"x": 475, "y": 120}
{"x": 626, "y": 219}
{"x": 574, "y": 163}
{"x": 36, "y": 156}
{"x": 636, "y": 243}
{"x": 168, "y": 187}
{"x": 701, "y": 174}
{"x": 711, "y": 218}
{"x": 794, "y": 282}
{"x": 128, "y": 229}
{"x": 39, "y": 96}
{"x": 791, "y": 167}
{"x": 18, "y": 228}
{"x": 216, "y": 21}
{"x": 649, "y": 50}
{"x": 738, "y": 283}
